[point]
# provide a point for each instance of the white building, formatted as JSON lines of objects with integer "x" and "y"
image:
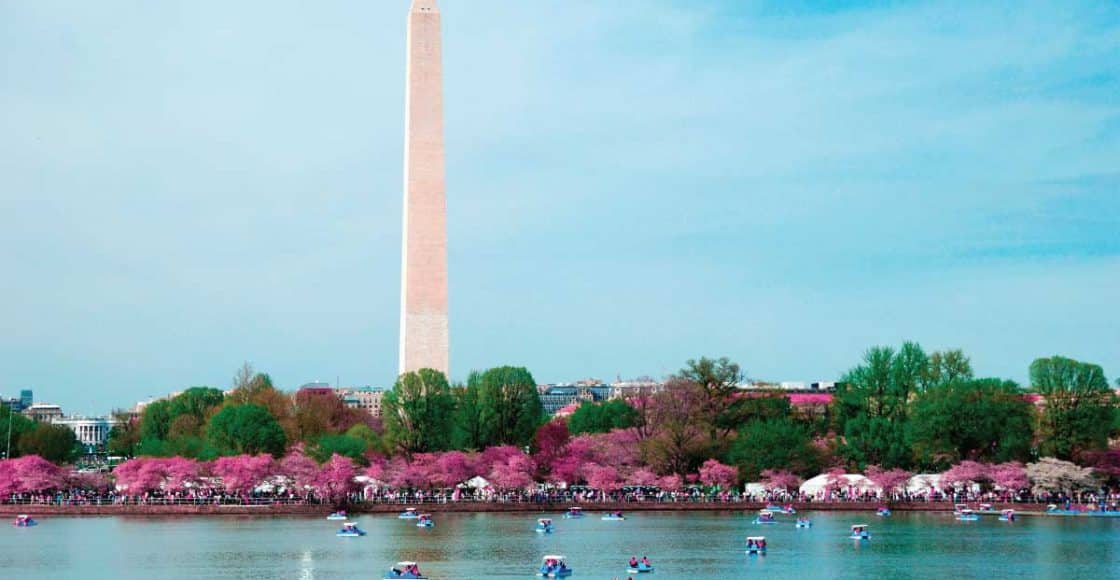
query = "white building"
{"x": 367, "y": 399}
{"x": 90, "y": 431}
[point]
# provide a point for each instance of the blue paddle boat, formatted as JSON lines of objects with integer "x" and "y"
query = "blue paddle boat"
{"x": 1007, "y": 515}
{"x": 425, "y": 521}
{"x": 636, "y": 566}
{"x": 573, "y": 513}
{"x": 883, "y": 511}
{"x": 24, "y": 521}
{"x": 553, "y": 566}
{"x": 804, "y": 522}
{"x": 337, "y": 516}
{"x": 859, "y": 532}
{"x": 967, "y": 515}
{"x": 350, "y": 530}
{"x": 756, "y": 545}
{"x": 544, "y": 526}
{"x": 408, "y": 514}
{"x": 613, "y": 517}
{"x": 765, "y": 517}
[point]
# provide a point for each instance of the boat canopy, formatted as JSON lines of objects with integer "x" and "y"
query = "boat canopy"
{"x": 1008, "y": 511}
{"x": 859, "y": 526}
{"x": 756, "y": 538}
{"x": 553, "y": 557}
{"x": 406, "y": 564}
{"x": 544, "y": 521}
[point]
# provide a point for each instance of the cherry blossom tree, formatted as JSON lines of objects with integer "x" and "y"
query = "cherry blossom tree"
{"x": 891, "y": 481}
{"x": 780, "y": 479}
{"x": 514, "y": 473}
{"x": 716, "y": 474}
{"x": 966, "y": 473}
{"x": 452, "y": 468}
{"x": 549, "y": 442}
{"x": 835, "y": 480}
{"x": 602, "y": 477}
{"x": 1054, "y": 475}
{"x": 8, "y": 483}
{"x": 643, "y": 477}
{"x": 180, "y": 473}
{"x": 95, "y": 481}
{"x": 33, "y": 473}
{"x": 1010, "y": 476}
{"x": 139, "y": 476}
{"x": 300, "y": 469}
{"x": 670, "y": 483}
{"x": 242, "y": 473}
{"x": 336, "y": 478}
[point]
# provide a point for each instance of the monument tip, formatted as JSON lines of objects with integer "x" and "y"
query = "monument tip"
{"x": 424, "y": 4}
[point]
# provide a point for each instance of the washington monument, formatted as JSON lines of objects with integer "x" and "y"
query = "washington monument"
{"x": 424, "y": 334}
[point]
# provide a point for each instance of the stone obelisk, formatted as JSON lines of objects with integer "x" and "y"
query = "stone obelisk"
{"x": 424, "y": 333}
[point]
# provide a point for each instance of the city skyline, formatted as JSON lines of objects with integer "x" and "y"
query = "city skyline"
{"x": 782, "y": 185}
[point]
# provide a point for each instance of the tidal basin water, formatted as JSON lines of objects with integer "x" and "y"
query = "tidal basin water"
{"x": 466, "y": 546}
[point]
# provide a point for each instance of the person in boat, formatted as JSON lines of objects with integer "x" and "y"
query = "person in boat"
{"x": 645, "y": 560}
{"x": 633, "y": 561}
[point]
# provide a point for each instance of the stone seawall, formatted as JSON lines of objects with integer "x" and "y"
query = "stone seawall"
{"x": 321, "y": 510}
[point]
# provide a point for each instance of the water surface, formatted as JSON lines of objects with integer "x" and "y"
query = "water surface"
{"x": 461, "y": 546}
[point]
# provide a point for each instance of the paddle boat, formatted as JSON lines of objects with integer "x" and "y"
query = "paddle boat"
{"x": 553, "y": 566}
{"x": 883, "y": 511}
{"x": 636, "y": 566}
{"x": 337, "y": 516}
{"x": 573, "y": 513}
{"x": 789, "y": 509}
{"x": 350, "y": 530}
{"x": 786, "y": 509}
{"x": 765, "y": 517}
{"x": 407, "y": 570}
{"x": 425, "y": 521}
{"x": 613, "y": 517}
{"x": 408, "y": 514}
{"x": 756, "y": 545}
{"x": 544, "y": 526}
{"x": 1007, "y": 516}
{"x": 804, "y": 522}
{"x": 957, "y": 508}
{"x": 986, "y": 507}
{"x": 859, "y": 532}
{"x": 24, "y": 521}
{"x": 967, "y": 515}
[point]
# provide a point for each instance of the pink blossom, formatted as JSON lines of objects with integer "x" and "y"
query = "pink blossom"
{"x": 33, "y": 473}
{"x": 1011, "y": 476}
{"x": 139, "y": 475}
{"x": 780, "y": 479}
{"x": 670, "y": 483}
{"x": 642, "y": 477}
{"x": 603, "y": 478}
{"x": 453, "y": 468}
{"x": 965, "y": 472}
{"x": 890, "y": 481}
{"x": 180, "y": 472}
{"x": 242, "y": 473}
{"x": 716, "y": 474}
{"x": 336, "y": 478}
{"x": 514, "y": 473}
{"x": 302, "y": 470}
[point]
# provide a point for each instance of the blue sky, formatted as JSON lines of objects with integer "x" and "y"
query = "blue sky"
{"x": 188, "y": 185}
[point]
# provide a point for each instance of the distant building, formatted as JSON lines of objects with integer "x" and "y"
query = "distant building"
{"x": 316, "y": 389}
{"x": 26, "y": 398}
{"x": 556, "y": 397}
{"x": 634, "y": 387}
{"x": 92, "y": 432}
{"x": 43, "y": 412}
{"x": 367, "y": 399}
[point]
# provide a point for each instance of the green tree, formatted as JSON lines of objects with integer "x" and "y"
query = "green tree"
{"x": 55, "y": 443}
{"x": 948, "y": 367}
{"x": 248, "y": 429}
{"x": 196, "y": 402}
{"x": 871, "y": 405}
{"x": 510, "y": 406}
{"x": 418, "y": 412}
{"x": 467, "y": 429}
{"x": 124, "y": 436}
{"x": 373, "y": 440}
{"x": 17, "y": 425}
{"x": 779, "y": 443}
{"x": 985, "y": 420}
{"x": 592, "y": 417}
{"x": 345, "y": 445}
{"x": 718, "y": 380}
{"x": 1080, "y": 408}
{"x": 155, "y": 421}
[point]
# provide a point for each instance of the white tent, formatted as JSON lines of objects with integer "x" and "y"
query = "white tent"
{"x": 478, "y": 482}
{"x": 851, "y": 481}
{"x": 754, "y": 489}
{"x": 924, "y": 483}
